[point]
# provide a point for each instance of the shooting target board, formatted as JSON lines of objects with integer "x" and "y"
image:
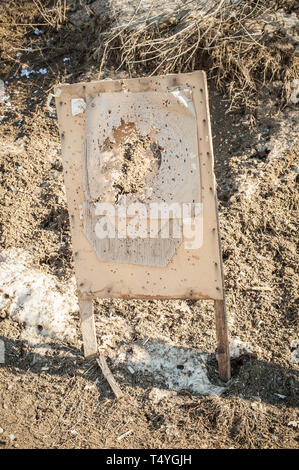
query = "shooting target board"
{"x": 141, "y": 143}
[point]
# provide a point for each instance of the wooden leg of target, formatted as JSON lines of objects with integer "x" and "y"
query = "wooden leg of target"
{"x": 88, "y": 328}
{"x": 222, "y": 340}
{"x": 91, "y": 346}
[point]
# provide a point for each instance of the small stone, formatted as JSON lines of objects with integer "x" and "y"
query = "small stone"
{"x": 89, "y": 387}
{"x": 293, "y": 424}
{"x": 12, "y": 437}
{"x": 1, "y": 430}
{"x": 280, "y": 396}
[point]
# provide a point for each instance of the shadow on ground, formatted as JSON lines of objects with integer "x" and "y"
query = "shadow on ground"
{"x": 252, "y": 379}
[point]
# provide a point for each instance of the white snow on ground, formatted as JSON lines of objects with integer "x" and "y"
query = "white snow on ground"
{"x": 45, "y": 306}
{"x": 112, "y": 330}
{"x": 295, "y": 356}
{"x": 249, "y": 189}
{"x": 238, "y": 347}
{"x": 35, "y": 299}
{"x": 295, "y": 351}
{"x": 180, "y": 368}
{"x": 158, "y": 394}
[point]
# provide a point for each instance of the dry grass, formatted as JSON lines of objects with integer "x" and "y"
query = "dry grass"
{"x": 54, "y": 15}
{"x": 242, "y": 45}
{"x": 232, "y": 40}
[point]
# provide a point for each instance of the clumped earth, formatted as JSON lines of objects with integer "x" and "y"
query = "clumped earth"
{"x": 49, "y": 395}
{"x": 136, "y": 159}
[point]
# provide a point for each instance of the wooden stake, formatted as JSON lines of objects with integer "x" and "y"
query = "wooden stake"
{"x": 222, "y": 340}
{"x": 91, "y": 346}
{"x": 88, "y": 328}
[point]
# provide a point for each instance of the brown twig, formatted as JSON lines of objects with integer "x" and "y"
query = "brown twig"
{"x": 109, "y": 376}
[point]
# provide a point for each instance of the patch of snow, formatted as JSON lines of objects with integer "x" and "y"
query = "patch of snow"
{"x": 36, "y": 299}
{"x": 295, "y": 356}
{"x": 2, "y": 90}
{"x": 112, "y": 330}
{"x": 37, "y": 31}
{"x": 248, "y": 188}
{"x": 237, "y": 348}
{"x": 180, "y": 368}
{"x": 172, "y": 430}
{"x": 89, "y": 387}
{"x": 158, "y": 394}
{"x": 27, "y": 72}
{"x": 5, "y": 97}
{"x": 295, "y": 351}
{"x": 295, "y": 93}
{"x": 289, "y": 21}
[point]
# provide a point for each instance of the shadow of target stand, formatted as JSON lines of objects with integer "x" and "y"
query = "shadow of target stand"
{"x": 130, "y": 147}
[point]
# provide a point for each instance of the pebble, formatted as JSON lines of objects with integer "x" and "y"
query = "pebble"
{"x": 280, "y": 396}
{"x": 295, "y": 344}
{"x": 89, "y": 387}
{"x": 294, "y": 424}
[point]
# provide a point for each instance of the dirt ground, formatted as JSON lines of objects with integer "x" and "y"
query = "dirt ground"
{"x": 50, "y": 397}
